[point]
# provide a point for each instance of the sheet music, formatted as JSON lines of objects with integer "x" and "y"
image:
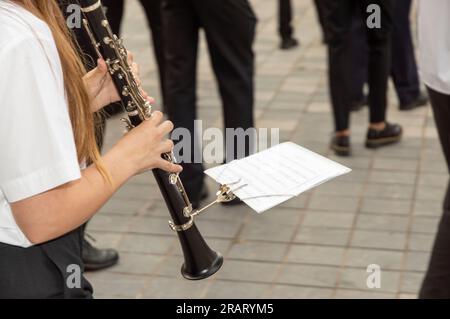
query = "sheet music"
{"x": 267, "y": 179}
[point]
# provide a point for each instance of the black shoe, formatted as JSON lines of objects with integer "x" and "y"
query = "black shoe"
{"x": 341, "y": 145}
{"x": 203, "y": 195}
{"x": 358, "y": 105}
{"x": 392, "y": 133}
{"x": 288, "y": 43}
{"x": 96, "y": 259}
{"x": 421, "y": 100}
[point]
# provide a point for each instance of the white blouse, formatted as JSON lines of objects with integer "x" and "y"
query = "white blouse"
{"x": 434, "y": 43}
{"x": 37, "y": 149}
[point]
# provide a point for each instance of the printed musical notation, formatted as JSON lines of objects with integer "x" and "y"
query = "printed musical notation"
{"x": 273, "y": 176}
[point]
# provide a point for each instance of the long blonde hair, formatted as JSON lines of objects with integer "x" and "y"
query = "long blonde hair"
{"x": 83, "y": 120}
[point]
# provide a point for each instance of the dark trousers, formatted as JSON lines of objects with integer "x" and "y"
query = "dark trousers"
{"x": 152, "y": 10}
{"x": 320, "y": 17}
{"x": 285, "y": 19}
{"x": 403, "y": 64}
{"x": 44, "y": 271}
{"x": 437, "y": 279}
{"x": 338, "y": 24}
{"x": 230, "y": 29}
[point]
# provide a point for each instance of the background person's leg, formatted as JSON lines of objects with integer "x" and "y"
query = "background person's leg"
{"x": 285, "y": 28}
{"x": 437, "y": 279}
{"x": 152, "y": 10}
{"x": 181, "y": 26}
{"x": 360, "y": 58}
{"x": 230, "y": 32}
{"x": 380, "y": 132}
{"x": 114, "y": 13}
{"x": 337, "y": 20}
{"x": 404, "y": 68}
{"x": 379, "y": 42}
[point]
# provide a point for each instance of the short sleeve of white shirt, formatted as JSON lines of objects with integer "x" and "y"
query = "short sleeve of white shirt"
{"x": 37, "y": 150}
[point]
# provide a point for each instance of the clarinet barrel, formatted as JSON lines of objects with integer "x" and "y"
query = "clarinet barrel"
{"x": 200, "y": 261}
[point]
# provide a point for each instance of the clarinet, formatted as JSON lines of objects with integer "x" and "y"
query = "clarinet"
{"x": 200, "y": 261}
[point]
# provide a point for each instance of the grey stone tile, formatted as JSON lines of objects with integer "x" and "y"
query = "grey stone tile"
{"x": 248, "y": 271}
{"x": 109, "y": 222}
{"x": 147, "y": 244}
{"x": 428, "y": 208}
{"x": 174, "y": 288}
{"x": 386, "y": 206}
{"x": 258, "y": 251}
{"x": 124, "y": 206}
{"x": 139, "y": 192}
{"x": 319, "y": 276}
{"x": 240, "y": 290}
{"x": 320, "y": 255}
{"x": 389, "y": 260}
{"x": 438, "y": 166}
{"x": 382, "y": 222}
{"x": 357, "y": 279}
{"x": 416, "y": 261}
{"x": 261, "y": 231}
{"x": 434, "y": 180}
{"x": 296, "y": 202}
{"x": 340, "y": 188}
{"x": 328, "y": 219}
{"x": 131, "y": 263}
{"x": 299, "y": 292}
{"x": 421, "y": 242}
{"x": 334, "y": 203}
{"x": 389, "y": 191}
{"x": 280, "y": 216}
{"x": 425, "y": 224}
{"x": 115, "y": 285}
{"x": 150, "y": 225}
{"x": 395, "y": 164}
{"x": 356, "y": 175}
{"x": 411, "y": 282}
{"x": 367, "y": 294}
{"x": 400, "y": 151}
{"x": 430, "y": 193}
{"x": 222, "y": 229}
{"x": 378, "y": 239}
{"x": 323, "y": 236}
{"x": 103, "y": 239}
{"x": 392, "y": 177}
{"x": 353, "y": 162}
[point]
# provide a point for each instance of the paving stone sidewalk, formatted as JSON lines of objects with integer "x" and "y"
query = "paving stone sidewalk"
{"x": 315, "y": 246}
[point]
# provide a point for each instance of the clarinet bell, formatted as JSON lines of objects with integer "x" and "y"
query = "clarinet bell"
{"x": 200, "y": 261}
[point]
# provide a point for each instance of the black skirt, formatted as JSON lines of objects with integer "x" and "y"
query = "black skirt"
{"x": 50, "y": 270}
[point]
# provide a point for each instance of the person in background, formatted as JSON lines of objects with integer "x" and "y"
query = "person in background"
{"x": 337, "y": 16}
{"x": 152, "y": 9}
{"x": 434, "y": 44}
{"x": 320, "y": 18}
{"x": 404, "y": 72}
{"x": 285, "y": 28}
{"x": 229, "y": 28}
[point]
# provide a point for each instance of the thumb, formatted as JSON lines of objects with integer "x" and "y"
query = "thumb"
{"x": 102, "y": 68}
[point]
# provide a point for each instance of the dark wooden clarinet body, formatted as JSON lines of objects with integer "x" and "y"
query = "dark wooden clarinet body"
{"x": 200, "y": 261}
